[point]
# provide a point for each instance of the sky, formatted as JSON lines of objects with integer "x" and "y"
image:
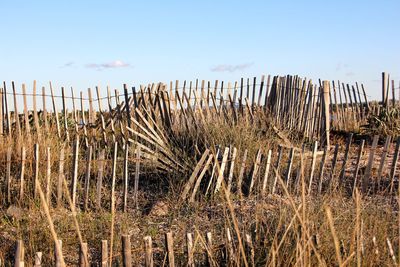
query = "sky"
{"x": 83, "y": 44}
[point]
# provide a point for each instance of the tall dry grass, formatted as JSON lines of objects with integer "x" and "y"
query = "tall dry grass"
{"x": 288, "y": 228}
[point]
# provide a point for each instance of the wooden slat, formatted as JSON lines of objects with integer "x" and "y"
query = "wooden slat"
{"x": 367, "y": 174}
{"x": 192, "y": 178}
{"x": 221, "y": 170}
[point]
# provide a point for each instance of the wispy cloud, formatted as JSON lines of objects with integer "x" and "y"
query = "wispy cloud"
{"x": 231, "y": 68}
{"x": 68, "y": 64}
{"x": 109, "y": 65}
{"x": 350, "y": 73}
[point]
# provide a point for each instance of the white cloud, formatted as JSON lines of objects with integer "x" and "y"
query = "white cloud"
{"x": 230, "y": 68}
{"x": 109, "y": 65}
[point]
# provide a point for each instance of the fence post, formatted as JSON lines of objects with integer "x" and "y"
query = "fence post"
{"x": 8, "y": 174}
{"x": 126, "y": 251}
{"x": 19, "y": 254}
{"x": 148, "y": 251}
{"x": 38, "y": 259}
{"x": 169, "y": 243}
{"x": 48, "y": 177}
{"x": 75, "y": 170}
{"x": 61, "y": 176}
{"x": 104, "y": 253}
{"x": 57, "y": 256}
{"x": 126, "y": 177}
{"x": 87, "y": 176}
{"x": 384, "y": 88}
{"x": 189, "y": 242}
{"x": 326, "y": 115}
{"x": 83, "y": 255}
{"x": 22, "y": 182}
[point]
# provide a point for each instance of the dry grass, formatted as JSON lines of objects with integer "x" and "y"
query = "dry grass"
{"x": 272, "y": 223}
{"x": 288, "y": 228}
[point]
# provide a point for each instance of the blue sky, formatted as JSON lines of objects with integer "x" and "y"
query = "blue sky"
{"x": 88, "y": 43}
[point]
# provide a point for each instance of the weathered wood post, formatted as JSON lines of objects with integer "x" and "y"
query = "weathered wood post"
{"x": 104, "y": 253}
{"x": 189, "y": 242}
{"x": 325, "y": 129}
{"x": 83, "y": 255}
{"x": 75, "y": 170}
{"x": 58, "y": 258}
{"x": 38, "y": 259}
{"x": 148, "y": 251}
{"x": 385, "y": 78}
{"x": 126, "y": 251}
{"x": 19, "y": 254}
{"x": 169, "y": 243}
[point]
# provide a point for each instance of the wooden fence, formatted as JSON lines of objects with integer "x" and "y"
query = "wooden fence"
{"x": 291, "y": 102}
{"x": 77, "y": 156}
{"x": 198, "y": 250}
{"x": 85, "y": 170}
{"x": 97, "y": 145}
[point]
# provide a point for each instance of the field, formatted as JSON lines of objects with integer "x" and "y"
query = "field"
{"x": 276, "y": 171}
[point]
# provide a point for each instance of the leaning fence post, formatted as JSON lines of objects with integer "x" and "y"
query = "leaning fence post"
{"x": 357, "y": 168}
{"x": 314, "y": 156}
{"x": 128, "y": 112}
{"x": 346, "y": 155}
{"x": 55, "y": 111}
{"x": 266, "y": 173}
{"x": 367, "y": 174}
{"x": 322, "y": 168}
{"x": 384, "y": 89}
{"x": 256, "y": 167}
{"x": 382, "y": 162}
